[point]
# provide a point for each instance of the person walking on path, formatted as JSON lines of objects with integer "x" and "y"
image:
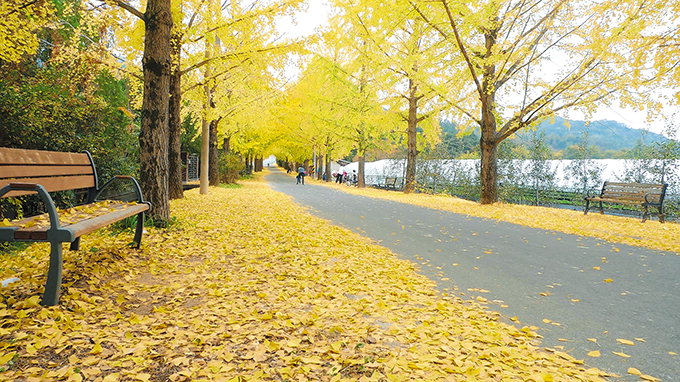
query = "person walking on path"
{"x": 338, "y": 177}
{"x": 301, "y": 175}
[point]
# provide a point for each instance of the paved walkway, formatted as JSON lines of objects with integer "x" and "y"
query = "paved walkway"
{"x": 552, "y": 280}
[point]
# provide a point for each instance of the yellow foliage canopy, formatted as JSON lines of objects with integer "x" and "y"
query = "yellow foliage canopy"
{"x": 19, "y": 21}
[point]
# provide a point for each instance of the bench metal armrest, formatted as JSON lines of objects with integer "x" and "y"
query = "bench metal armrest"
{"x": 656, "y": 203}
{"x": 122, "y": 178}
{"x": 44, "y": 196}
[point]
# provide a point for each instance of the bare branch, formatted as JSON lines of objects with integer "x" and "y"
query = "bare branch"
{"x": 129, "y": 8}
{"x": 462, "y": 49}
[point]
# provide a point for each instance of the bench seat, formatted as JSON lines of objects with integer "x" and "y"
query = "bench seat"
{"x": 79, "y": 222}
{"x": 644, "y": 195}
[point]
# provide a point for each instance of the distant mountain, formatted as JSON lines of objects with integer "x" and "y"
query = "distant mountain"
{"x": 605, "y": 134}
{"x": 610, "y": 138}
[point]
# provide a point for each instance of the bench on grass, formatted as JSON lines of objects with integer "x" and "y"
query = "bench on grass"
{"x": 390, "y": 183}
{"x": 643, "y": 194}
{"x": 34, "y": 171}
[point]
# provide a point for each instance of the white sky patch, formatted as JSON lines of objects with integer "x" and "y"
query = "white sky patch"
{"x": 307, "y": 22}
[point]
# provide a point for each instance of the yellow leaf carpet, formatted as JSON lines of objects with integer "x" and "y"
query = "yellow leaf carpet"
{"x": 247, "y": 286}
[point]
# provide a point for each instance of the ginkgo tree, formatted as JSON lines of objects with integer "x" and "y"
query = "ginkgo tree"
{"x": 407, "y": 52}
{"x": 366, "y": 121}
{"x": 524, "y": 61}
{"x": 153, "y": 138}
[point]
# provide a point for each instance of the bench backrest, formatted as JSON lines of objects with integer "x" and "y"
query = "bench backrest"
{"x": 56, "y": 171}
{"x": 392, "y": 181}
{"x": 634, "y": 191}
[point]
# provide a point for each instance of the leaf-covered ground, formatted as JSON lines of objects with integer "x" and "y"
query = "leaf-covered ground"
{"x": 250, "y": 287}
{"x": 615, "y": 229}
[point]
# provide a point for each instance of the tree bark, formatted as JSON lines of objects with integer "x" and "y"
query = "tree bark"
{"x": 214, "y": 171}
{"x": 175, "y": 189}
{"x": 205, "y": 132}
{"x": 319, "y": 167}
{"x": 328, "y": 167}
{"x": 488, "y": 144}
{"x": 153, "y": 138}
{"x": 361, "y": 182}
{"x": 411, "y": 134}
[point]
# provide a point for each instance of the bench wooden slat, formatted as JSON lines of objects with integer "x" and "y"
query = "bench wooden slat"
{"x": 636, "y": 185}
{"x": 87, "y": 226}
{"x": 52, "y": 184}
{"x": 23, "y": 171}
{"x": 23, "y": 156}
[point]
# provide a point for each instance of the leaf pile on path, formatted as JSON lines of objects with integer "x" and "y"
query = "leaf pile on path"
{"x": 616, "y": 229}
{"x": 249, "y": 287}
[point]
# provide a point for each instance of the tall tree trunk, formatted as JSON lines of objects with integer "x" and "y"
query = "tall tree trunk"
{"x": 488, "y": 175}
{"x": 361, "y": 182}
{"x": 153, "y": 138}
{"x": 488, "y": 142}
{"x": 411, "y": 133}
{"x": 226, "y": 145}
{"x": 214, "y": 175}
{"x": 488, "y": 145}
{"x": 175, "y": 189}
{"x": 328, "y": 166}
{"x": 319, "y": 167}
{"x": 205, "y": 126}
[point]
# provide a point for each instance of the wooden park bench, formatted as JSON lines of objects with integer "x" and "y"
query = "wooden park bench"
{"x": 643, "y": 194}
{"x": 33, "y": 171}
{"x": 390, "y": 183}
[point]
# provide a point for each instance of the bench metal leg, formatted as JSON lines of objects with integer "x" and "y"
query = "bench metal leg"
{"x": 139, "y": 230}
{"x": 662, "y": 216}
{"x": 75, "y": 245}
{"x": 585, "y": 212}
{"x": 53, "y": 285}
{"x": 601, "y": 208}
{"x": 645, "y": 214}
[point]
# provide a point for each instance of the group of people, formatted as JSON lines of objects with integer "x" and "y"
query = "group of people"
{"x": 341, "y": 176}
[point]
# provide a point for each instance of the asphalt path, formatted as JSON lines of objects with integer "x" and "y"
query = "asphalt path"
{"x": 582, "y": 293}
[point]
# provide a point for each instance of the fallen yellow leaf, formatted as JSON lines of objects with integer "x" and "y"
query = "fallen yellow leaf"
{"x": 625, "y": 342}
{"x": 594, "y": 353}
